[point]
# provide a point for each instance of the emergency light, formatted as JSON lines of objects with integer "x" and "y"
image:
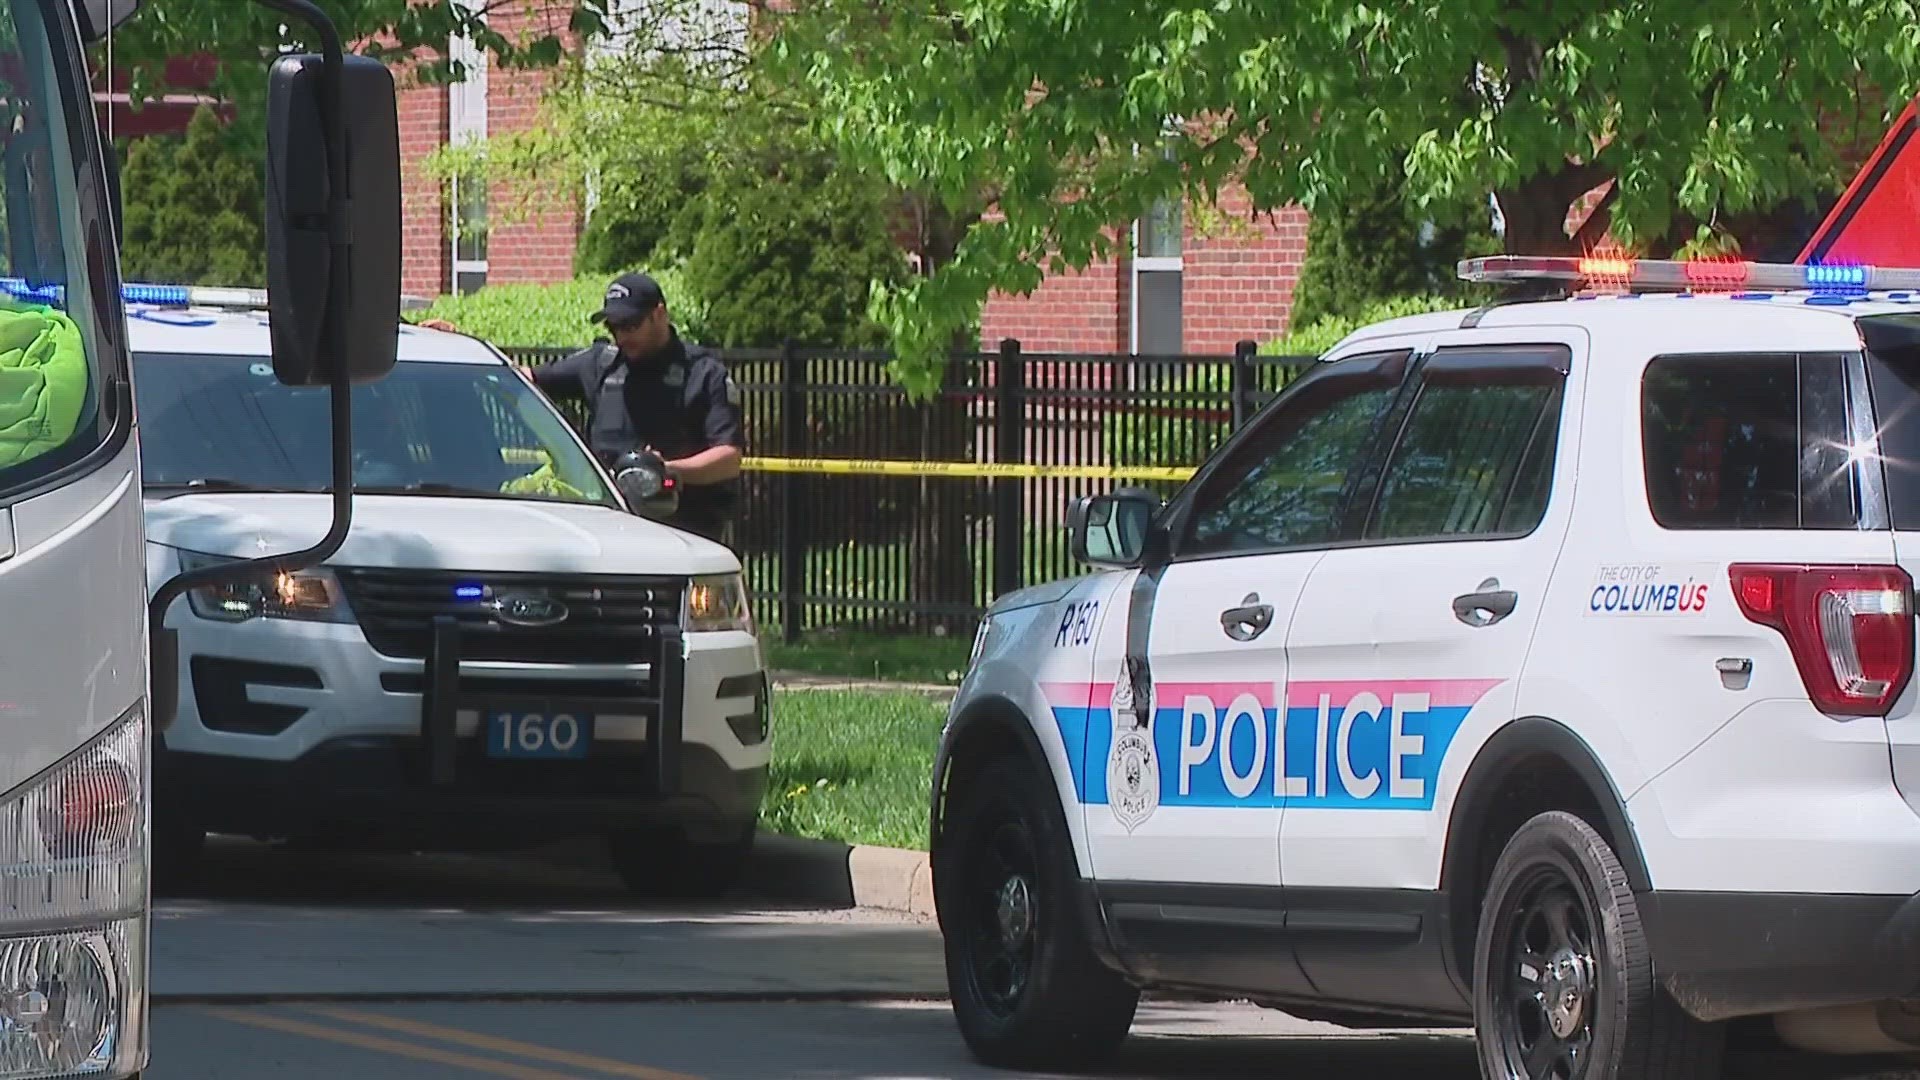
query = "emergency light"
{"x": 1653, "y": 275}
{"x": 146, "y": 293}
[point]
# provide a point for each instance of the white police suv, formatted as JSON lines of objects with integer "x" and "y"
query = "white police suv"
{"x": 1546, "y": 668}
{"x": 501, "y": 654}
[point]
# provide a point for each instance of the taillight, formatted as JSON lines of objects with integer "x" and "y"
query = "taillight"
{"x": 1850, "y": 629}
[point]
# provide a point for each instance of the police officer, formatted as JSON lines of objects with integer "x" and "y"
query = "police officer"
{"x": 650, "y": 389}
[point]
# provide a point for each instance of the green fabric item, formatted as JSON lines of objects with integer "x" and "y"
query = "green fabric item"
{"x": 542, "y": 481}
{"x": 43, "y": 381}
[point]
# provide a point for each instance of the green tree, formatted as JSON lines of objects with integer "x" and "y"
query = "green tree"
{"x": 194, "y": 208}
{"x": 1373, "y": 246}
{"x": 1060, "y": 115}
{"x": 704, "y": 159}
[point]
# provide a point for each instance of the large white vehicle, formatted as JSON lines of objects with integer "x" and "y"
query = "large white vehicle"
{"x": 79, "y": 706}
{"x": 1546, "y": 668}
{"x": 503, "y": 653}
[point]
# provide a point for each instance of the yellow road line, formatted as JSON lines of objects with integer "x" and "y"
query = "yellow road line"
{"x": 499, "y": 1045}
{"x": 393, "y": 1047}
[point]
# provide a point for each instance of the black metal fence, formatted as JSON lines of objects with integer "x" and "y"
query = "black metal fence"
{"x": 890, "y": 552}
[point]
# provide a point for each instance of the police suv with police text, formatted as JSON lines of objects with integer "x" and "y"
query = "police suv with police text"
{"x": 502, "y": 653}
{"x": 1546, "y": 668}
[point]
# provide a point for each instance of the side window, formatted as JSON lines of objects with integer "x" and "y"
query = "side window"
{"x": 50, "y": 346}
{"x": 1475, "y": 457}
{"x": 1287, "y": 485}
{"x": 1747, "y": 442}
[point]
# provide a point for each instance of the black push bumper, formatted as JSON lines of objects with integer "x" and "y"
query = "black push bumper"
{"x": 1724, "y": 955}
{"x": 441, "y": 789}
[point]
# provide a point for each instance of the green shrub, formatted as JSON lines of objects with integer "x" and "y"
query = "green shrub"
{"x": 195, "y": 208}
{"x": 1322, "y": 334}
{"x": 1375, "y": 245}
{"x": 792, "y": 255}
{"x": 520, "y": 315}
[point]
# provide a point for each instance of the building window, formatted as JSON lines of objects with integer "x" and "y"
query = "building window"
{"x": 1157, "y": 269}
{"x": 467, "y": 195}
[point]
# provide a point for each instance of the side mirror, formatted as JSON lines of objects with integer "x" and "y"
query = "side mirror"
{"x": 311, "y": 258}
{"x": 1112, "y": 529}
{"x": 333, "y": 276}
{"x": 650, "y": 491}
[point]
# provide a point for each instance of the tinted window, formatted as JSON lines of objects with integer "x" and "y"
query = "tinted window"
{"x": 1895, "y": 376}
{"x": 1287, "y": 486}
{"x": 1748, "y": 442}
{"x": 474, "y": 429}
{"x": 1474, "y": 459}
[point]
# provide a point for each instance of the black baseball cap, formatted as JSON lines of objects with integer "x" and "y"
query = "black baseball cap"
{"x": 630, "y": 297}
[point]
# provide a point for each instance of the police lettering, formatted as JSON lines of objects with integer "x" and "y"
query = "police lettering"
{"x": 1370, "y": 749}
{"x": 1076, "y": 624}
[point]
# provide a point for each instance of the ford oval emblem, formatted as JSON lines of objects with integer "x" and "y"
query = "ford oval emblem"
{"x": 527, "y": 609}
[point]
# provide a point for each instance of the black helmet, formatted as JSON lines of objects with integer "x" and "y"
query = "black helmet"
{"x": 642, "y": 477}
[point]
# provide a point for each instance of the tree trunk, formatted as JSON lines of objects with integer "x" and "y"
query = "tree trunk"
{"x": 943, "y": 541}
{"x": 1536, "y": 210}
{"x": 941, "y": 555}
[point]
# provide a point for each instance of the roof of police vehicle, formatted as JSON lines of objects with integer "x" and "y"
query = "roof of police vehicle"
{"x": 1771, "y": 320}
{"x": 162, "y": 328}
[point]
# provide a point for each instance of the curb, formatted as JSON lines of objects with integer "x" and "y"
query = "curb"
{"x": 789, "y": 680}
{"x": 843, "y": 875}
{"x": 828, "y": 873}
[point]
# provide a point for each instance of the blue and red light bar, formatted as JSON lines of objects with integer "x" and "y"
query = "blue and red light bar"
{"x": 1687, "y": 275}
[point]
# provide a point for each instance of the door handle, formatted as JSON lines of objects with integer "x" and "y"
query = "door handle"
{"x": 1249, "y": 620}
{"x": 1486, "y": 606}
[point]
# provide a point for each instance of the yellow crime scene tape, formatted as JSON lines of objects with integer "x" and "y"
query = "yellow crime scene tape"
{"x": 860, "y": 467}
{"x": 852, "y": 466}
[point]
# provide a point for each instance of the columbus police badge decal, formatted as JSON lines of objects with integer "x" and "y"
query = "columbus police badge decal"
{"x": 1133, "y": 773}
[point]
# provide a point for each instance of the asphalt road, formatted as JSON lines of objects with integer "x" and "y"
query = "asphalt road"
{"x": 303, "y": 966}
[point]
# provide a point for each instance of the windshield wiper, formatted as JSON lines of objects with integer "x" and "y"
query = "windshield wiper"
{"x": 215, "y": 483}
{"x": 424, "y": 487}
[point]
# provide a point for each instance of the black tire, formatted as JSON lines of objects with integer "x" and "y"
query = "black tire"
{"x": 1560, "y": 919}
{"x": 1026, "y": 988}
{"x": 663, "y": 865}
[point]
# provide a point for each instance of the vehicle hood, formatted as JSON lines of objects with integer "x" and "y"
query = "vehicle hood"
{"x": 435, "y": 532}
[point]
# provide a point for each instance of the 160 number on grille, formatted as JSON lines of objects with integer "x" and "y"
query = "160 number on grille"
{"x": 538, "y": 735}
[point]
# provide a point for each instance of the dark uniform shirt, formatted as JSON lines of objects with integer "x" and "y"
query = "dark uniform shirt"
{"x": 680, "y": 401}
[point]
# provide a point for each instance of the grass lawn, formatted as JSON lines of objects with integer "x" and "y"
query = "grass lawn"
{"x": 920, "y": 658}
{"x": 853, "y": 766}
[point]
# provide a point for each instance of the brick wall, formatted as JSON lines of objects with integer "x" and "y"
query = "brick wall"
{"x": 426, "y": 261}
{"x": 1239, "y": 282}
{"x": 535, "y": 247}
{"x": 1237, "y": 279}
{"x": 532, "y": 248}
{"x": 1076, "y": 312}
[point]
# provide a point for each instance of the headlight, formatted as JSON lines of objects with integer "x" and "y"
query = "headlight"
{"x": 73, "y": 864}
{"x": 979, "y": 641}
{"x": 716, "y": 603}
{"x": 311, "y": 595}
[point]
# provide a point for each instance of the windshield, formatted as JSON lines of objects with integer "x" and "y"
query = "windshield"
{"x": 226, "y": 423}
